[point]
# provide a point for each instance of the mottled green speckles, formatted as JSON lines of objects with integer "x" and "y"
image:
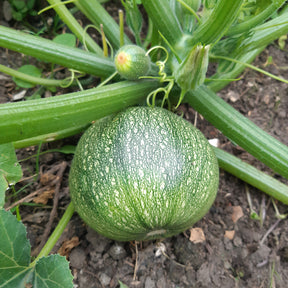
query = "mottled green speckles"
{"x": 141, "y": 173}
{"x": 148, "y": 174}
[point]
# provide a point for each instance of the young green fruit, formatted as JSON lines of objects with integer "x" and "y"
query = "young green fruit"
{"x": 142, "y": 174}
{"x": 131, "y": 62}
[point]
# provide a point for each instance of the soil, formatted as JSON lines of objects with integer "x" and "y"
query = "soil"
{"x": 233, "y": 249}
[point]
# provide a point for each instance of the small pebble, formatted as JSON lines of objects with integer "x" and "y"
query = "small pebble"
{"x": 149, "y": 283}
{"x": 77, "y": 258}
{"x": 117, "y": 252}
{"x": 104, "y": 279}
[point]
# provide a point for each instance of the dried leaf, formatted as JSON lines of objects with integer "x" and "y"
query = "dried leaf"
{"x": 47, "y": 178}
{"x": 229, "y": 234}
{"x": 68, "y": 245}
{"x": 197, "y": 235}
{"x": 44, "y": 197}
{"x": 237, "y": 213}
{"x": 233, "y": 96}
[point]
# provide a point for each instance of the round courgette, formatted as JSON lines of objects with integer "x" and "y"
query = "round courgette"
{"x": 131, "y": 62}
{"x": 144, "y": 173}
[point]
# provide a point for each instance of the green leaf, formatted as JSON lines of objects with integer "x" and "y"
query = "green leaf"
{"x": 67, "y": 39}
{"x": 52, "y": 271}
{"x": 29, "y": 70}
{"x": 17, "y": 16}
{"x": 122, "y": 285}
{"x": 30, "y": 4}
{"x": 19, "y": 4}
{"x": 10, "y": 170}
{"x": 3, "y": 187}
{"x": 14, "y": 251}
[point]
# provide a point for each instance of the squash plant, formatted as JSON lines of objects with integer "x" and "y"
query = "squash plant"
{"x": 182, "y": 37}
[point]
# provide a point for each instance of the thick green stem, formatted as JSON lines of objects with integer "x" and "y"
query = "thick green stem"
{"x": 56, "y": 233}
{"x": 255, "y": 20}
{"x": 98, "y": 15}
{"x": 215, "y": 26}
{"x": 22, "y": 120}
{"x": 252, "y": 176}
{"x": 74, "y": 26}
{"x": 264, "y": 34}
{"x": 240, "y": 129}
{"x": 52, "y": 52}
{"x": 50, "y": 137}
{"x": 248, "y": 49}
{"x": 164, "y": 20}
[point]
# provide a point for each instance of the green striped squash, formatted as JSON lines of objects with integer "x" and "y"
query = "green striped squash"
{"x": 144, "y": 173}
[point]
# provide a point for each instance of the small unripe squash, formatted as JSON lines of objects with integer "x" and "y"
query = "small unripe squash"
{"x": 144, "y": 173}
{"x": 131, "y": 62}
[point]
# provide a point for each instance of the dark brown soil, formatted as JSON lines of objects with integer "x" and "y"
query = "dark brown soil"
{"x": 235, "y": 252}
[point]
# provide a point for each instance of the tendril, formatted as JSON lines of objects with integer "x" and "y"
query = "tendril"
{"x": 101, "y": 33}
{"x": 160, "y": 64}
{"x": 71, "y": 79}
{"x": 151, "y": 98}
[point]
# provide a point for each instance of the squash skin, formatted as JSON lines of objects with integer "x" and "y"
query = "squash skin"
{"x": 142, "y": 174}
{"x": 131, "y": 62}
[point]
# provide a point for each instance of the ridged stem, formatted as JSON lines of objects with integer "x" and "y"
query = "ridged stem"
{"x": 23, "y": 120}
{"x": 74, "y": 26}
{"x": 265, "y": 34}
{"x": 215, "y": 26}
{"x": 249, "y": 48}
{"x": 252, "y": 176}
{"x": 255, "y": 20}
{"x": 52, "y": 52}
{"x": 164, "y": 20}
{"x": 240, "y": 129}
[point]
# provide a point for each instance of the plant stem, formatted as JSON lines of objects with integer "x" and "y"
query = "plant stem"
{"x": 235, "y": 70}
{"x": 264, "y": 34}
{"x": 56, "y": 233}
{"x": 29, "y": 78}
{"x": 50, "y": 137}
{"x": 74, "y": 26}
{"x": 255, "y": 20}
{"x": 50, "y": 51}
{"x": 95, "y": 12}
{"x": 240, "y": 129}
{"x": 164, "y": 20}
{"x": 22, "y": 120}
{"x": 251, "y": 67}
{"x": 215, "y": 26}
{"x": 121, "y": 27}
{"x": 252, "y": 176}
